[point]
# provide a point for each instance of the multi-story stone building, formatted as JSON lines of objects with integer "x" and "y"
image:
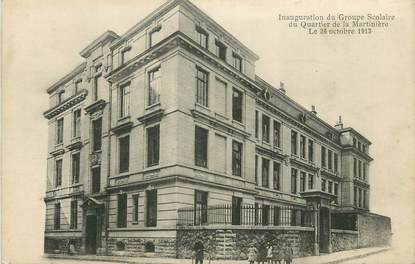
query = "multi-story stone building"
{"x": 172, "y": 115}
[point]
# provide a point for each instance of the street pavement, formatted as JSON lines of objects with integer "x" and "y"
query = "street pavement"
{"x": 337, "y": 257}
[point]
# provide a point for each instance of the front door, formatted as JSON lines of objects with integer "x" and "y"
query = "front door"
{"x": 91, "y": 234}
{"x": 324, "y": 230}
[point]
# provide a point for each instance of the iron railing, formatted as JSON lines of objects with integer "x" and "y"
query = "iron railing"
{"x": 247, "y": 214}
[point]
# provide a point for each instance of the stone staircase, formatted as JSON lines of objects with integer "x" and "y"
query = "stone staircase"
{"x": 225, "y": 244}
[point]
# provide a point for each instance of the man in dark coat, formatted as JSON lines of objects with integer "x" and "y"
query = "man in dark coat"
{"x": 199, "y": 249}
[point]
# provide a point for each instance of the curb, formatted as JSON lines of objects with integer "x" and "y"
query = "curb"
{"x": 357, "y": 256}
{"x": 141, "y": 261}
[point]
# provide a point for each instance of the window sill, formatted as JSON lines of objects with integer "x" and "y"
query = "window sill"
{"x": 124, "y": 119}
{"x": 238, "y": 123}
{"x": 59, "y": 145}
{"x": 205, "y": 108}
{"x": 221, "y": 116}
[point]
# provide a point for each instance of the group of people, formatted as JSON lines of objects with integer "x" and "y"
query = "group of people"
{"x": 270, "y": 254}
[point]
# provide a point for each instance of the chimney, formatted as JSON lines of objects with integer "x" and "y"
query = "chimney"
{"x": 282, "y": 87}
{"x": 313, "y": 109}
{"x": 339, "y": 124}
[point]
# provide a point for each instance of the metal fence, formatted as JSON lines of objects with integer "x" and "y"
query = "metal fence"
{"x": 247, "y": 214}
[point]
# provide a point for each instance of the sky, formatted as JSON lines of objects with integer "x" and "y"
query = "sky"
{"x": 367, "y": 79}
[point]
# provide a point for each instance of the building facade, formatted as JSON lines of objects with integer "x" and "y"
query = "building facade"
{"x": 172, "y": 115}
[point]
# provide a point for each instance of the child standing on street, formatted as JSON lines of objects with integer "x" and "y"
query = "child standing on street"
{"x": 252, "y": 254}
{"x": 269, "y": 253}
{"x": 288, "y": 254}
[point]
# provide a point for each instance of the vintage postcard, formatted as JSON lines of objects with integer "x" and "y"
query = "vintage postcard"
{"x": 208, "y": 131}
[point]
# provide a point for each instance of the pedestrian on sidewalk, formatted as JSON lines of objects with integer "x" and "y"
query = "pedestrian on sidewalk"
{"x": 199, "y": 249}
{"x": 278, "y": 254}
{"x": 288, "y": 254}
{"x": 269, "y": 253}
{"x": 262, "y": 253}
{"x": 252, "y": 254}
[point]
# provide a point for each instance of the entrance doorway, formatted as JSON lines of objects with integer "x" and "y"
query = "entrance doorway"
{"x": 91, "y": 234}
{"x": 324, "y": 230}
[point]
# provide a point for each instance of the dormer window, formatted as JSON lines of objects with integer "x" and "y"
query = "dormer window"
{"x": 77, "y": 85}
{"x": 237, "y": 62}
{"x": 220, "y": 50}
{"x": 125, "y": 52}
{"x": 202, "y": 37}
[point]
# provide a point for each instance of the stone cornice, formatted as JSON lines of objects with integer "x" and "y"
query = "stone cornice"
{"x": 218, "y": 124}
{"x": 357, "y": 152}
{"x": 270, "y": 153}
{"x": 101, "y": 40}
{"x": 57, "y": 152}
{"x": 151, "y": 117}
{"x": 122, "y": 127}
{"x": 95, "y": 106}
{"x": 66, "y": 104}
{"x": 75, "y": 145}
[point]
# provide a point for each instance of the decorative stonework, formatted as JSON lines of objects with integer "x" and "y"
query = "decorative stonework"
{"x": 95, "y": 159}
{"x": 66, "y": 104}
{"x": 96, "y": 108}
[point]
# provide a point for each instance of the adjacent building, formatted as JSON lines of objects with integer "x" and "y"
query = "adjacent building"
{"x": 169, "y": 126}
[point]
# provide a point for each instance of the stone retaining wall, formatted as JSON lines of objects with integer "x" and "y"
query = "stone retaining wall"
{"x": 374, "y": 230}
{"x": 61, "y": 245}
{"x": 232, "y": 242}
{"x": 343, "y": 240}
{"x": 133, "y": 246}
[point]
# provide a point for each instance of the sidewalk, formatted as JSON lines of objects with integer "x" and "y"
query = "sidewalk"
{"x": 333, "y": 258}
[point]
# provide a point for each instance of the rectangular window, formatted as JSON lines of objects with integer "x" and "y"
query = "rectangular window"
{"x": 59, "y": 131}
{"x": 201, "y": 147}
{"x": 96, "y": 180}
{"x": 310, "y": 150}
{"x": 330, "y": 159}
{"x": 221, "y": 97}
{"x": 202, "y": 37}
{"x": 360, "y": 169}
{"x": 75, "y": 167}
{"x": 265, "y": 214}
{"x": 323, "y": 157}
{"x": 58, "y": 173}
{"x": 124, "y": 100}
{"x": 122, "y": 210}
{"x": 256, "y": 169}
{"x": 153, "y": 145}
{"x": 277, "y": 175}
{"x": 364, "y": 199}
{"x": 330, "y": 187}
{"x": 135, "y": 207}
{"x": 256, "y": 124}
{"x": 310, "y": 181}
{"x": 302, "y": 146}
{"x": 97, "y": 134}
{"x": 200, "y": 207}
{"x": 336, "y": 192}
{"x": 355, "y": 196}
{"x": 323, "y": 185}
{"x": 220, "y": 153}
{"x": 354, "y": 167}
{"x": 151, "y": 212}
{"x": 202, "y": 84}
{"x": 277, "y": 216}
{"x": 237, "y": 62}
{"x": 363, "y": 148}
{"x": 60, "y": 96}
{"x": 57, "y": 217}
{"x": 302, "y": 181}
{"x": 364, "y": 170}
{"x": 294, "y": 181}
{"x": 237, "y": 99}
{"x": 277, "y": 134}
{"x": 76, "y": 131}
{"x": 77, "y": 85}
{"x": 336, "y": 162}
{"x": 360, "y": 197}
{"x": 97, "y": 85}
{"x": 124, "y": 152}
{"x": 265, "y": 128}
{"x": 125, "y": 56}
{"x": 236, "y": 158}
{"x": 293, "y": 142}
{"x": 154, "y": 84}
{"x": 220, "y": 50}
{"x": 265, "y": 172}
{"x": 359, "y": 145}
{"x": 354, "y": 142}
{"x": 154, "y": 36}
{"x": 74, "y": 215}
